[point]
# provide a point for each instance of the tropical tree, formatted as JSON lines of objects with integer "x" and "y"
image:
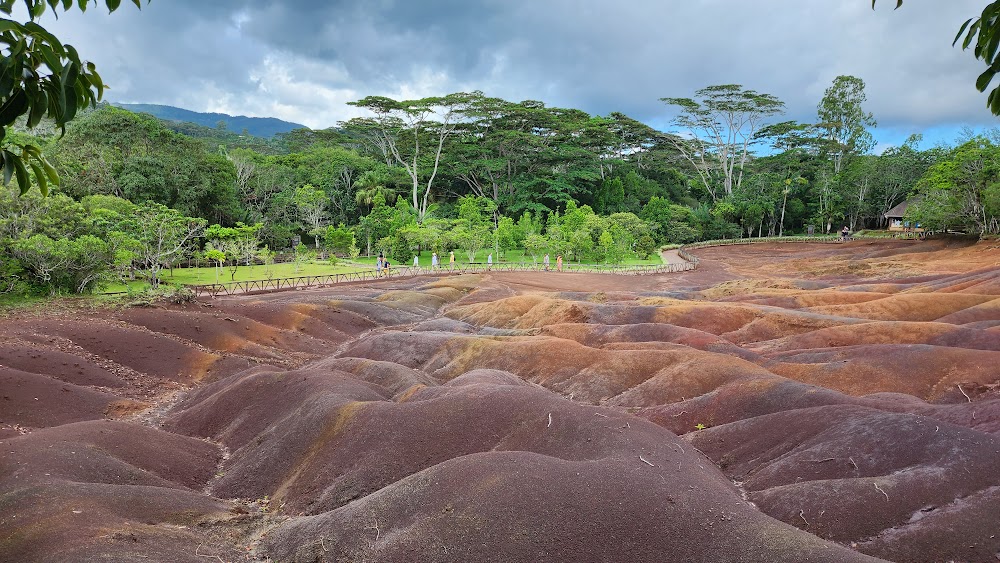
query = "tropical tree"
{"x": 717, "y": 128}
{"x": 339, "y": 239}
{"x": 239, "y": 243}
{"x": 961, "y": 191}
{"x": 217, "y": 256}
{"x": 473, "y": 230}
{"x": 843, "y": 123}
{"x": 402, "y": 129}
{"x": 161, "y": 233}
{"x": 311, "y": 203}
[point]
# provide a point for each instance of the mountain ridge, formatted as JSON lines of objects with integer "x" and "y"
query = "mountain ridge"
{"x": 257, "y": 126}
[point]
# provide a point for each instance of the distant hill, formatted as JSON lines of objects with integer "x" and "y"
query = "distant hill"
{"x": 257, "y": 126}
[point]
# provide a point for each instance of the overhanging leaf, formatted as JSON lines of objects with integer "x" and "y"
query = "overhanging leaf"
{"x": 40, "y": 179}
{"x": 984, "y": 79}
{"x": 23, "y": 181}
{"x": 13, "y": 107}
{"x": 8, "y": 166}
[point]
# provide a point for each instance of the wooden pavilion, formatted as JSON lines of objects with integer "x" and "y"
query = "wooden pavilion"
{"x": 896, "y": 221}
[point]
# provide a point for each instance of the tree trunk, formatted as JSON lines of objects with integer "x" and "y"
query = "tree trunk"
{"x": 781, "y": 226}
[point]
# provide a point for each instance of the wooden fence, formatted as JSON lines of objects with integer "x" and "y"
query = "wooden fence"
{"x": 300, "y": 282}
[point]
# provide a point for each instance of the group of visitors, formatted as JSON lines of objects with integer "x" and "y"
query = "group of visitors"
{"x": 545, "y": 262}
{"x": 382, "y": 266}
{"x": 434, "y": 260}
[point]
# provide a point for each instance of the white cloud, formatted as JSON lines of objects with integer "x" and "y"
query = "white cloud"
{"x": 303, "y": 61}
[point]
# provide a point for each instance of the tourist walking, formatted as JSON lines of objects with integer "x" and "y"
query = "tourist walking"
{"x": 378, "y": 266}
{"x": 434, "y": 261}
{"x": 416, "y": 261}
{"x": 545, "y": 261}
{"x": 844, "y": 233}
{"x": 451, "y": 260}
{"x": 559, "y": 263}
{"x": 489, "y": 262}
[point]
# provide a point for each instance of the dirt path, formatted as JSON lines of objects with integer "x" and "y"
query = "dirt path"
{"x": 672, "y": 257}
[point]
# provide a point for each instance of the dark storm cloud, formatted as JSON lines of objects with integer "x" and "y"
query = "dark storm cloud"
{"x": 303, "y": 60}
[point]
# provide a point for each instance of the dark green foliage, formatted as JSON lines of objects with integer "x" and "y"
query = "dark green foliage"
{"x": 401, "y": 253}
{"x": 40, "y": 77}
{"x": 339, "y": 240}
{"x": 116, "y": 152}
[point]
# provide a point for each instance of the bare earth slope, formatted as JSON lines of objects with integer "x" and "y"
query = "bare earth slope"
{"x": 781, "y": 403}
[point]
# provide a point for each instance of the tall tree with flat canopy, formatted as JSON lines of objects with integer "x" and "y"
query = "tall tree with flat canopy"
{"x": 722, "y": 122}
{"x": 402, "y": 130}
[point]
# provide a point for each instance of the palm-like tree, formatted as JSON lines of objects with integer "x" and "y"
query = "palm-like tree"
{"x": 371, "y": 183}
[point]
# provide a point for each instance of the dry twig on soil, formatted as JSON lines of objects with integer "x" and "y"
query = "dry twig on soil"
{"x": 881, "y": 491}
{"x": 198, "y": 549}
{"x": 963, "y": 392}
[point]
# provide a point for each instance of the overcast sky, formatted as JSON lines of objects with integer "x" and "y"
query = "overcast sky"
{"x": 302, "y": 60}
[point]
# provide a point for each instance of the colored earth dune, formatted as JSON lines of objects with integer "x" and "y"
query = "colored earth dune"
{"x": 781, "y": 403}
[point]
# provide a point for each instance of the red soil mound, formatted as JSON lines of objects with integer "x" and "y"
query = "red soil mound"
{"x": 519, "y": 506}
{"x": 57, "y": 364}
{"x": 382, "y": 313}
{"x": 38, "y": 401}
{"x": 392, "y": 377}
{"x": 850, "y": 473}
{"x": 924, "y": 371}
{"x": 907, "y": 307}
{"x": 944, "y": 533}
{"x": 67, "y": 522}
{"x": 802, "y": 299}
{"x": 884, "y": 332}
{"x": 599, "y": 335}
{"x": 621, "y": 377}
{"x": 318, "y": 321}
{"x": 226, "y": 333}
{"x": 115, "y": 453}
{"x": 750, "y": 398}
{"x": 141, "y": 350}
{"x": 777, "y": 323}
{"x": 989, "y": 311}
{"x": 237, "y": 409}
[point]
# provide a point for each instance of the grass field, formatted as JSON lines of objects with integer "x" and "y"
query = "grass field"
{"x": 198, "y": 276}
{"x": 209, "y": 275}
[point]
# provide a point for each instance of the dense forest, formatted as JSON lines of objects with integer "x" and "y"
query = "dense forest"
{"x": 466, "y": 172}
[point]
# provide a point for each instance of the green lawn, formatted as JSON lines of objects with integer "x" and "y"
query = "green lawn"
{"x": 199, "y": 276}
